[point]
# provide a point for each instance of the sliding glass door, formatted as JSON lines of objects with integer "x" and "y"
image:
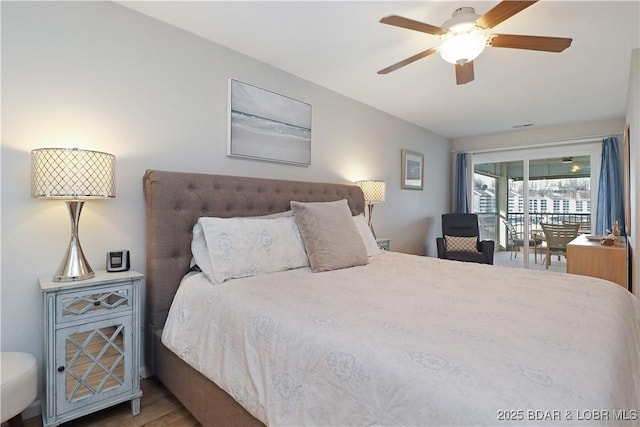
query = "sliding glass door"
{"x": 517, "y": 193}
{"x": 497, "y": 200}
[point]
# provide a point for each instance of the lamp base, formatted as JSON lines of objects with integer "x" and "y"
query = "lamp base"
{"x": 370, "y": 208}
{"x": 74, "y": 265}
{"x": 63, "y": 278}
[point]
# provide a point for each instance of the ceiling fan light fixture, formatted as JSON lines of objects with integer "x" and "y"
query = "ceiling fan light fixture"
{"x": 462, "y": 47}
{"x": 466, "y": 34}
{"x": 462, "y": 27}
{"x": 462, "y": 20}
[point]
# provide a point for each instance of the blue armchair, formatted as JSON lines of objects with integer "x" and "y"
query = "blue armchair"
{"x": 464, "y": 225}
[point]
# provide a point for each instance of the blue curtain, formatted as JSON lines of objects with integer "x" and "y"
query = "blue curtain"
{"x": 610, "y": 189}
{"x": 461, "y": 205}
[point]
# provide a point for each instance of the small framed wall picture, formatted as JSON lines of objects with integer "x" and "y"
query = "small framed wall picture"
{"x": 412, "y": 167}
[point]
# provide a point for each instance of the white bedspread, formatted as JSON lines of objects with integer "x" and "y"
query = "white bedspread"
{"x": 410, "y": 340}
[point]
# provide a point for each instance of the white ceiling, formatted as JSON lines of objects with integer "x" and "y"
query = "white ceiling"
{"x": 341, "y": 45}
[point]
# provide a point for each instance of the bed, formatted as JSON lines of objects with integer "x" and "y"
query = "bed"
{"x": 399, "y": 340}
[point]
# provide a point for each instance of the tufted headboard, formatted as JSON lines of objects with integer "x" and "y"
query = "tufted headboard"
{"x": 175, "y": 201}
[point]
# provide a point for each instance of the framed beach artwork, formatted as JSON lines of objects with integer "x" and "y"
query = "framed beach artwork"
{"x": 412, "y": 169}
{"x": 268, "y": 126}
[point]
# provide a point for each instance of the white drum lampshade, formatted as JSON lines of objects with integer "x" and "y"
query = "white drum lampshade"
{"x": 73, "y": 175}
{"x": 374, "y": 193}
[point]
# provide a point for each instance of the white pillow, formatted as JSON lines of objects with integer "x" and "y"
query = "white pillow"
{"x": 273, "y": 215}
{"x": 200, "y": 245}
{"x": 228, "y": 248}
{"x": 367, "y": 237}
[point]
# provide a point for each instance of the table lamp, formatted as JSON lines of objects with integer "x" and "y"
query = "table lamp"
{"x": 73, "y": 175}
{"x": 374, "y": 192}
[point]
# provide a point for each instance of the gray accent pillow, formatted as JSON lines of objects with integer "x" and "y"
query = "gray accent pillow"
{"x": 330, "y": 236}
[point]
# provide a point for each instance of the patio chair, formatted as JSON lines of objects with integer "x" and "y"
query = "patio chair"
{"x": 584, "y": 227}
{"x": 557, "y": 237}
{"x": 518, "y": 241}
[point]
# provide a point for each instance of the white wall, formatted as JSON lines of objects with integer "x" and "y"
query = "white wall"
{"x": 633, "y": 121}
{"x": 99, "y": 76}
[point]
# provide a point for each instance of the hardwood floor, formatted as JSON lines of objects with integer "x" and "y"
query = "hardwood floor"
{"x": 157, "y": 408}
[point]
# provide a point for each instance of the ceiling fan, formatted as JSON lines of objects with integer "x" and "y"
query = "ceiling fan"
{"x": 465, "y": 36}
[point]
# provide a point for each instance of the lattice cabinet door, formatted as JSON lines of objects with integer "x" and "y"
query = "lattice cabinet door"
{"x": 92, "y": 345}
{"x": 96, "y": 362}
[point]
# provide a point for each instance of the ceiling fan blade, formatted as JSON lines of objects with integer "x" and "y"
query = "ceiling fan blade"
{"x": 501, "y": 12}
{"x": 546, "y": 44}
{"x": 464, "y": 73}
{"x": 410, "y": 24}
{"x": 407, "y": 61}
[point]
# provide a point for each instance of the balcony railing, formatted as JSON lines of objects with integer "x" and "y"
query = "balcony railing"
{"x": 489, "y": 222}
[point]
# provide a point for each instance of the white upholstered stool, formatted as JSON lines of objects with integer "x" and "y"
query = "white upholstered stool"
{"x": 19, "y": 385}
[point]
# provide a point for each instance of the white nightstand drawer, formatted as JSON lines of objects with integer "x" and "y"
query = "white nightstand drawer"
{"x": 93, "y": 302}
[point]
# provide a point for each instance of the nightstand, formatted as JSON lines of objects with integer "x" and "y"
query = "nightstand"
{"x": 91, "y": 345}
{"x": 384, "y": 244}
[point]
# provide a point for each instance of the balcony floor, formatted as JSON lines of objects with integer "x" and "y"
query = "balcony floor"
{"x": 502, "y": 258}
